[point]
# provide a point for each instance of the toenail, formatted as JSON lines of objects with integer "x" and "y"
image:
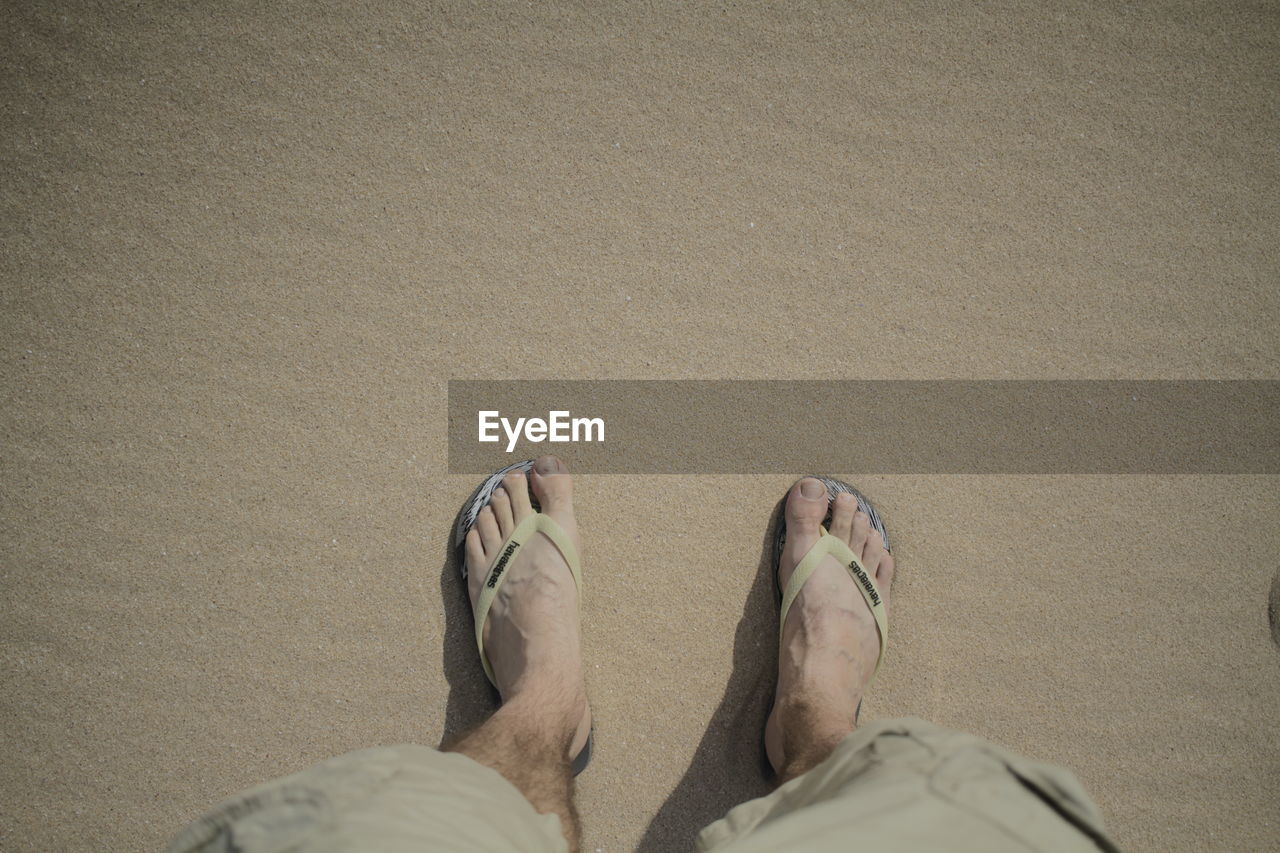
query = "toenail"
{"x": 499, "y": 491}
{"x": 546, "y": 465}
{"x": 812, "y": 489}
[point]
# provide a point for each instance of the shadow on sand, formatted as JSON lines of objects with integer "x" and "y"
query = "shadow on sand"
{"x": 472, "y": 700}
{"x": 729, "y": 767}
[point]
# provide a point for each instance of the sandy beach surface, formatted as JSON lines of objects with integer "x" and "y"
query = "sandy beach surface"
{"x": 245, "y": 245}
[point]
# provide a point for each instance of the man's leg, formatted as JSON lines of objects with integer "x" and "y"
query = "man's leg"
{"x": 830, "y": 643}
{"x": 532, "y": 641}
{"x": 894, "y": 784}
{"x": 412, "y": 797}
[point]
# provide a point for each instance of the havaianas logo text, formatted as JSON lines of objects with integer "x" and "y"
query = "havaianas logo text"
{"x": 866, "y": 582}
{"x": 501, "y": 565}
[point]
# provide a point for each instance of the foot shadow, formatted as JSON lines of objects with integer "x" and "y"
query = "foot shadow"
{"x": 729, "y": 767}
{"x": 471, "y": 700}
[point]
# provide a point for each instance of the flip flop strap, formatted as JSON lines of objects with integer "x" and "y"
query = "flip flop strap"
{"x": 828, "y": 544}
{"x": 506, "y": 556}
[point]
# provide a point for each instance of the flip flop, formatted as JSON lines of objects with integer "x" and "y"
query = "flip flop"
{"x": 496, "y": 573}
{"x": 828, "y": 544}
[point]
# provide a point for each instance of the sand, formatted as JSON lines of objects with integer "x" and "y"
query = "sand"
{"x": 246, "y": 245}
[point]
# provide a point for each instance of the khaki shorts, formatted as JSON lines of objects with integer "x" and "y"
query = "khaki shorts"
{"x": 892, "y": 785}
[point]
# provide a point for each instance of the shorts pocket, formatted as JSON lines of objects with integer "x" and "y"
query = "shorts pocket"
{"x": 1040, "y": 805}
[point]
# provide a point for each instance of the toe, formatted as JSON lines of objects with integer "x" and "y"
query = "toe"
{"x": 884, "y": 573}
{"x": 501, "y": 504}
{"x": 842, "y": 516}
{"x": 515, "y": 484}
{"x": 476, "y": 558}
{"x": 805, "y": 510}
{"x": 806, "y": 506}
{"x": 861, "y": 531}
{"x": 552, "y": 483}
{"x": 490, "y": 535}
{"x": 873, "y": 551}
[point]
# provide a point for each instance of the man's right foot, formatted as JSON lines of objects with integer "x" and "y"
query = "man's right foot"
{"x": 830, "y": 644}
{"x": 531, "y": 635}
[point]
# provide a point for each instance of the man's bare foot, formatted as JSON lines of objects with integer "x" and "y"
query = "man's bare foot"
{"x": 531, "y": 636}
{"x": 830, "y": 644}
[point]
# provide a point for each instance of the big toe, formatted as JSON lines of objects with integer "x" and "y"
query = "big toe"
{"x": 807, "y": 506}
{"x": 551, "y": 482}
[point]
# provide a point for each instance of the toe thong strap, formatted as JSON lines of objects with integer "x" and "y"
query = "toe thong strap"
{"x": 829, "y": 544}
{"x": 524, "y": 532}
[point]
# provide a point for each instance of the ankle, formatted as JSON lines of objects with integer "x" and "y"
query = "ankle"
{"x": 806, "y": 748}
{"x": 549, "y": 671}
{"x": 546, "y": 712}
{"x": 811, "y": 725}
{"x": 800, "y": 763}
{"x": 808, "y": 718}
